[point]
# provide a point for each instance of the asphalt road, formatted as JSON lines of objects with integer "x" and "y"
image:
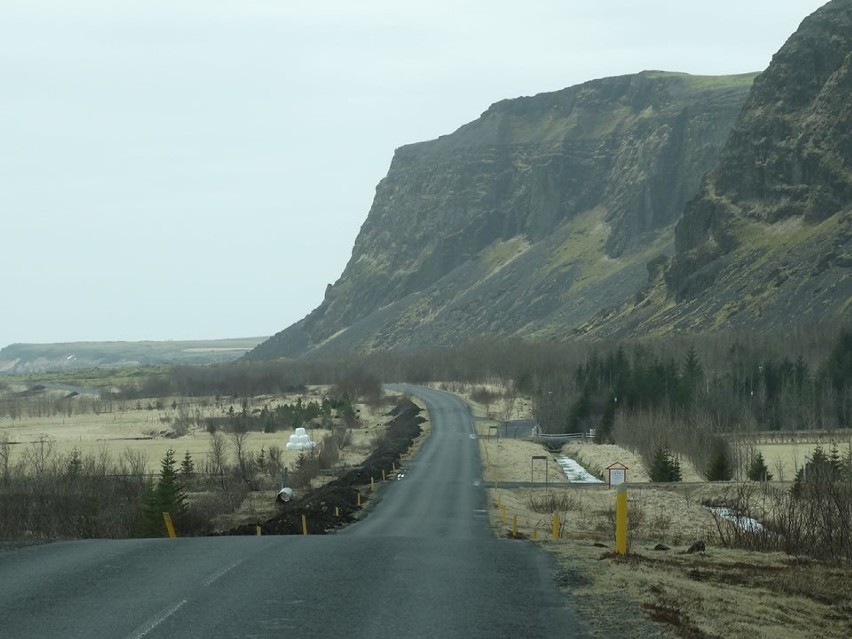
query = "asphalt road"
{"x": 422, "y": 564}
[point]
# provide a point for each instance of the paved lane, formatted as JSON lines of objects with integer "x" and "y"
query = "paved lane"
{"x": 422, "y": 564}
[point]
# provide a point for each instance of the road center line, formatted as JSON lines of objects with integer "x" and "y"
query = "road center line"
{"x": 149, "y": 626}
{"x": 222, "y": 572}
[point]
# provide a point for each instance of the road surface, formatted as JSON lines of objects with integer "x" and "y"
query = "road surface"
{"x": 423, "y": 563}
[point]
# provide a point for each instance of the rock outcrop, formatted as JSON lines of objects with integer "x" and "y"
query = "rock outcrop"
{"x": 526, "y": 221}
{"x": 767, "y": 241}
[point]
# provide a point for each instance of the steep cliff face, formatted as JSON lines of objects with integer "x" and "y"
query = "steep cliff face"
{"x": 526, "y": 221}
{"x": 767, "y": 241}
{"x": 789, "y": 156}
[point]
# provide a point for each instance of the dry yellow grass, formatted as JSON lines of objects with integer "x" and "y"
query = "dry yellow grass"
{"x": 719, "y": 593}
{"x": 130, "y": 426}
{"x": 785, "y": 459}
{"x": 649, "y": 593}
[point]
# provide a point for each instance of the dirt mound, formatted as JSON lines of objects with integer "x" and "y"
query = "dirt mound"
{"x": 336, "y": 503}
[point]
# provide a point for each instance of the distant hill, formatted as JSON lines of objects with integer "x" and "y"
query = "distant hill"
{"x": 527, "y": 221}
{"x": 40, "y": 358}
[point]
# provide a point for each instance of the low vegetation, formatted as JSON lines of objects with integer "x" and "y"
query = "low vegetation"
{"x": 714, "y": 410}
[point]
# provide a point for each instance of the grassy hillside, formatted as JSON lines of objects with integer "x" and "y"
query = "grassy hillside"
{"x": 38, "y": 358}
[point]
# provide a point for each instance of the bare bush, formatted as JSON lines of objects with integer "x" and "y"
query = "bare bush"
{"x": 817, "y": 522}
{"x": 329, "y": 452}
{"x": 553, "y": 501}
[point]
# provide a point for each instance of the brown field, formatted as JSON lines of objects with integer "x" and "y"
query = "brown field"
{"x": 131, "y": 426}
{"x": 718, "y": 593}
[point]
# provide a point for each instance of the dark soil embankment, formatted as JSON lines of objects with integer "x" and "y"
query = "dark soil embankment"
{"x": 342, "y": 493}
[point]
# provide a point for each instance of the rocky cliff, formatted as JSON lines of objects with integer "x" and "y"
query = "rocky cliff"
{"x": 767, "y": 241}
{"x": 526, "y": 221}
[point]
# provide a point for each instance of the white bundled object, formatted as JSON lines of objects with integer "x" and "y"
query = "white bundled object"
{"x": 300, "y": 440}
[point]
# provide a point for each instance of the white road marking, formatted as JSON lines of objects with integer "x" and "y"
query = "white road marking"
{"x": 222, "y": 572}
{"x": 148, "y": 627}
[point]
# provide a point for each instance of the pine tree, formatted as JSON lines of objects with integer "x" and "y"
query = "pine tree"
{"x": 719, "y": 468}
{"x": 169, "y": 489}
{"x": 166, "y": 496}
{"x": 75, "y": 463}
{"x": 187, "y": 466}
{"x": 757, "y": 470}
{"x": 664, "y": 468}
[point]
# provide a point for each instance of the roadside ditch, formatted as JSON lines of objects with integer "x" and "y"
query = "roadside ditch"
{"x": 336, "y": 503}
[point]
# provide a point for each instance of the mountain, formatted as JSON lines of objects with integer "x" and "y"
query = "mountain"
{"x": 527, "y": 221}
{"x": 767, "y": 241}
{"x": 17, "y": 359}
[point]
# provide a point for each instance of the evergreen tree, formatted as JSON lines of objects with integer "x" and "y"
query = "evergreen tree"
{"x": 187, "y": 466}
{"x": 166, "y": 496}
{"x": 757, "y": 470}
{"x": 693, "y": 374}
{"x": 75, "y": 463}
{"x": 664, "y": 467}
{"x": 719, "y": 468}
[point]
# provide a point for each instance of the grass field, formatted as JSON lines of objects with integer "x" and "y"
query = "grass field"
{"x": 719, "y": 592}
{"x": 130, "y": 425}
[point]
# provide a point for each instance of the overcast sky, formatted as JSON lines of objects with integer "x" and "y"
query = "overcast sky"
{"x": 200, "y": 168}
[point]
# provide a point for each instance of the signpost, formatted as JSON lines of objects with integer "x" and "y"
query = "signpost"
{"x": 532, "y": 462}
{"x": 617, "y": 474}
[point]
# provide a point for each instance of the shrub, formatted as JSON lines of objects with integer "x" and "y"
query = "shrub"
{"x": 757, "y": 469}
{"x": 664, "y": 467}
{"x": 553, "y": 502}
{"x": 719, "y": 467}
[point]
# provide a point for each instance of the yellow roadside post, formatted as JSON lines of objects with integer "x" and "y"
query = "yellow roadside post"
{"x": 534, "y": 534}
{"x": 514, "y": 526}
{"x": 384, "y": 475}
{"x": 555, "y": 526}
{"x": 304, "y": 525}
{"x": 372, "y": 485}
{"x": 337, "y": 511}
{"x": 621, "y": 520}
{"x": 359, "y": 500}
{"x": 170, "y": 527}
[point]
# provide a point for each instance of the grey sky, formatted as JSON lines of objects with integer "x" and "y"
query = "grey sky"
{"x": 200, "y": 168}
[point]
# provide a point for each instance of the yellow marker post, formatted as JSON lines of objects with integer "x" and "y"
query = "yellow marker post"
{"x": 359, "y": 500}
{"x": 372, "y": 484}
{"x": 534, "y": 534}
{"x": 393, "y": 466}
{"x": 514, "y": 526}
{"x": 555, "y": 526}
{"x": 304, "y": 525}
{"x": 621, "y": 520}
{"x": 336, "y": 511}
{"x": 384, "y": 475}
{"x": 258, "y": 531}
{"x": 503, "y": 514}
{"x": 170, "y": 527}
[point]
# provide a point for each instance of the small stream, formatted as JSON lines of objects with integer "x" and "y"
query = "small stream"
{"x": 575, "y": 472}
